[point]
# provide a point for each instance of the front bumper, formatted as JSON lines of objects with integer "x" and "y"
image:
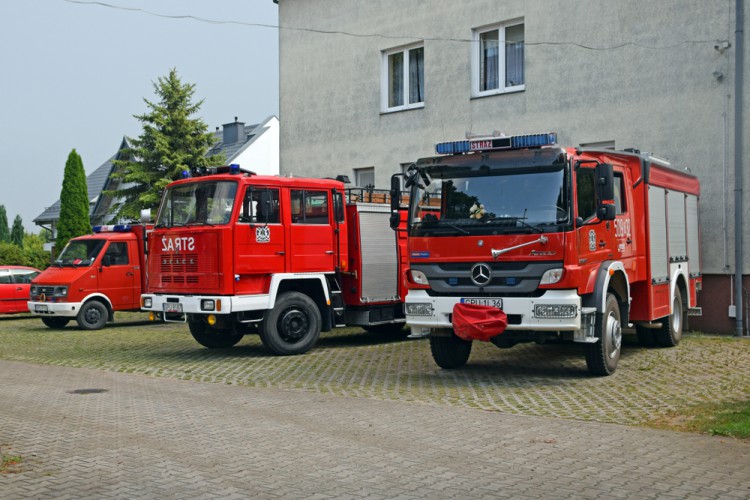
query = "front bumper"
{"x": 194, "y": 304}
{"x": 57, "y": 309}
{"x": 520, "y": 311}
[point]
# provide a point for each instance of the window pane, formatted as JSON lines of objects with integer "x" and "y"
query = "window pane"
{"x": 488, "y": 60}
{"x": 585, "y": 193}
{"x": 365, "y": 177}
{"x": 396, "y": 80}
{"x": 514, "y": 49}
{"x": 316, "y": 207}
{"x": 416, "y": 75}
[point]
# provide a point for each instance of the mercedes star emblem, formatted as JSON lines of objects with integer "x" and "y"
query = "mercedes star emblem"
{"x": 481, "y": 274}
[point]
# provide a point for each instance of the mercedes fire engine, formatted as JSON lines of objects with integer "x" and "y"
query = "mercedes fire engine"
{"x": 94, "y": 276}
{"x": 516, "y": 239}
{"x": 233, "y": 253}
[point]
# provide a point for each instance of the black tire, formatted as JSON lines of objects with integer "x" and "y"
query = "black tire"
{"x": 93, "y": 315}
{"x": 602, "y": 356}
{"x": 670, "y": 333}
{"x": 213, "y": 338}
{"x": 56, "y": 323}
{"x": 450, "y": 352}
{"x": 292, "y": 326}
{"x": 646, "y": 336}
{"x": 389, "y": 329}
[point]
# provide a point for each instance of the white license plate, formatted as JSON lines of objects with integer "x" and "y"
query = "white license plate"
{"x": 483, "y": 301}
{"x": 172, "y": 307}
{"x": 40, "y": 308}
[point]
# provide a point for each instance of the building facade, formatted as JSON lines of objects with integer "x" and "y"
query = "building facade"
{"x": 366, "y": 88}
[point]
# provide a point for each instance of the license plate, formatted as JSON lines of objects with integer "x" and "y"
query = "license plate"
{"x": 40, "y": 308}
{"x": 172, "y": 307}
{"x": 483, "y": 301}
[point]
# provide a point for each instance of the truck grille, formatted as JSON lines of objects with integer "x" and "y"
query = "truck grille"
{"x": 179, "y": 263}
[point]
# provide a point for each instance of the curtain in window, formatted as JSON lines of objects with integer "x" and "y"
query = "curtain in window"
{"x": 514, "y": 64}
{"x": 488, "y": 61}
{"x": 416, "y": 75}
{"x": 396, "y": 80}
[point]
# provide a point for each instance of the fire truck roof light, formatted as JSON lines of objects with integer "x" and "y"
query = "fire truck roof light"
{"x": 113, "y": 228}
{"x": 495, "y": 143}
{"x": 185, "y": 174}
{"x": 234, "y": 168}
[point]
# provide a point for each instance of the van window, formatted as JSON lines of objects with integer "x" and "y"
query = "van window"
{"x": 118, "y": 254}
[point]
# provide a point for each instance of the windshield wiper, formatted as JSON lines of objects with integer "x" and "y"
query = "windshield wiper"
{"x": 519, "y": 220}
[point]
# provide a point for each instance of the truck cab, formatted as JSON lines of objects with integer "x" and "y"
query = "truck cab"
{"x": 94, "y": 276}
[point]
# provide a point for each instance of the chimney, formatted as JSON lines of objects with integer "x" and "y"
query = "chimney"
{"x": 234, "y": 132}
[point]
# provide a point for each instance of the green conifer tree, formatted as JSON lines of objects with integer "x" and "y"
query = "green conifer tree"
{"x": 74, "y": 203}
{"x": 4, "y": 228}
{"x": 170, "y": 143}
{"x": 16, "y": 234}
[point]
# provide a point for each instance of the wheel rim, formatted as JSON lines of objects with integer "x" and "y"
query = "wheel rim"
{"x": 677, "y": 316}
{"x": 293, "y": 325}
{"x": 93, "y": 315}
{"x": 614, "y": 334}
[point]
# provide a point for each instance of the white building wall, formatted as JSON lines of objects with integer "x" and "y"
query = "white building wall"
{"x": 643, "y": 73}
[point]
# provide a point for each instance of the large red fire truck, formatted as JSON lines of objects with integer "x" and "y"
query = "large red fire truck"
{"x": 536, "y": 242}
{"x": 94, "y": 276}
{"x": 233, "y": 253}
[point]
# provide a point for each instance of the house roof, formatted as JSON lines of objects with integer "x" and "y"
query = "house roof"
{"x": 235, "y": 138}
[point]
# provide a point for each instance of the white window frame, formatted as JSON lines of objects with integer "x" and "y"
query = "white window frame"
{"x": 384, "y": 78}
{"x": 358, "y": 172}
{"x": 476, "y": 55}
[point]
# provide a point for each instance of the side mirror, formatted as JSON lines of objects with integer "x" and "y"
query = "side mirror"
{"x": 395, "y": 220}
{"x": 146, "y": 215}
{"x": 605, "y": 182}
{"x": 107, "y": 260}
{"x": 395, "y": 192}
{"x": 606, "y": 211}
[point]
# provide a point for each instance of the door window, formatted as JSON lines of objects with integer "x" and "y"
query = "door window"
{"x": 309, "y": 207}
{"x": 118, "y": 253}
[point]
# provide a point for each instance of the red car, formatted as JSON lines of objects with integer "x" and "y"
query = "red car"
{"x": 14, "y": 288}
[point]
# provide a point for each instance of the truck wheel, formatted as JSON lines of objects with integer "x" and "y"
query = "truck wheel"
{"x": 670, "y": 333}
{"x": 55, "y": 323}
{"x": 212, "y": 338}
{"x": 292, "y": 326}
{"x": 646, "y": 336}
{"x": 93, "y": 315}
{"x": 602, "y": 356}
{"x": 450, "y": 352}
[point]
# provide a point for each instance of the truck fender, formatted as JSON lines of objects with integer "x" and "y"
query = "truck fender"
{"x": 278, "y": 279}
{"x": 678, "y": 272}
{"x": 609, "y": 272}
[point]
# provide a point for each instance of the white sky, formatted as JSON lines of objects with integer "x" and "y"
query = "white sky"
{"x": 73, "y": 76}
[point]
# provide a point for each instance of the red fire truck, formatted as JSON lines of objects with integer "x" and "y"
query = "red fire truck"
{"x": 94, "y": 276}
{"x": 235, "y": 253}
{"x": 516, "y": 239}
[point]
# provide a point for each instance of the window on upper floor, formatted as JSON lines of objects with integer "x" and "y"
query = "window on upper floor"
{"x": 402, "y": 85}
{"x": 498, "y": 59}
{"x": 364, "y": 177}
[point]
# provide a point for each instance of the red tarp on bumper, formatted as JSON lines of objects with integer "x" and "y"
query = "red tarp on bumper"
{"x": 472, "y": 322}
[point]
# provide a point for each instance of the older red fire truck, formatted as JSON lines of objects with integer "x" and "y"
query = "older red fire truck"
{"x": 515, "y": 239}
{"x": 234, "y": 253}
{"x": 94, "y": 276}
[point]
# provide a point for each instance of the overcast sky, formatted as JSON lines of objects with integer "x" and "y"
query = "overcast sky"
{"x": 72, "y": 75}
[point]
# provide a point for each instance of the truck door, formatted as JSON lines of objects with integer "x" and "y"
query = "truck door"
{"x": 596, "y": 239}
{"x": 312, "y": 236}
{"x": 625, "y": 250}
{"x": 117, "y": 280}
{"x": 259, "y": 233}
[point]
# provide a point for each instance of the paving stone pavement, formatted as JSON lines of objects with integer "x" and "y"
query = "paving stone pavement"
{"x": 143, "y": 437}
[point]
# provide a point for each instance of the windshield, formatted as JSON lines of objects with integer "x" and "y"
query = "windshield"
{"x": 197, "y": 203}
{"x": 456, "y": 201}
{"x": 80, "y": 253}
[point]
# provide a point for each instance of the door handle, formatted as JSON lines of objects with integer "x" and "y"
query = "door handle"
{"x": 279, "y": 253}
{"x": 602, "y": 243}
{"x": 329, "y": 252}
{"x": 128, "y": 274}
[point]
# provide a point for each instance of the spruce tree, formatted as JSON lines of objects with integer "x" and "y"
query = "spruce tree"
{"x": 171, "y": 142}
{"x": 16, "y": 234}
{"x": 74, "y": 203}
{"x": 4, "y": 229}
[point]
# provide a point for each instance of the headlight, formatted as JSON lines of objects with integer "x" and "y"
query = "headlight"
{"x": 208, "y": 305}
{"x": 34, "y": 290}
{"x": 552, "y": 276}
{"x": 61, "y": 291}
{"x": 418, "y": 309}
{"x": 555, "y": 311}
{"x": 147, "y": 302}
{"x": 419, "y": 278}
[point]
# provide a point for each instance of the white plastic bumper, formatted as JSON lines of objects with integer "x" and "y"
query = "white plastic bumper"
{"x": 193, "y": 304}
{"x": 50, "y": 309}
{"x": 520, "y": 307}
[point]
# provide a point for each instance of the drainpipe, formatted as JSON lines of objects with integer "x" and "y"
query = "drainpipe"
{"x": 739, "y": 55}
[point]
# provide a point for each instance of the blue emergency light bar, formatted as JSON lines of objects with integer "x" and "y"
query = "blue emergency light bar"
{"x": 116, "y": 228}
{"x": 495, "y": 143}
